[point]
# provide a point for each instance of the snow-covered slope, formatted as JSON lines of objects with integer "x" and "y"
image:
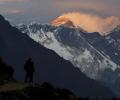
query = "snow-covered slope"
{"x": 70, "y": 44}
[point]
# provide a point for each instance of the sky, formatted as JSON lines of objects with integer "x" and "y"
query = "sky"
{"x": 26, "y": 11}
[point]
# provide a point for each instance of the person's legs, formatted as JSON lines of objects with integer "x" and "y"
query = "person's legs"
{"x": 31, "y": 77}
{"x": 26, "y": 78}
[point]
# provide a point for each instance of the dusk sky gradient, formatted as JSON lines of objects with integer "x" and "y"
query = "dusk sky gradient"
{"x": 25, "y": 11}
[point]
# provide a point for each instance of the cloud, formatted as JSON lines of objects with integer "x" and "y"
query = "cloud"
{"x": 101, "y": 7}
{"x": 8, "y": 1}
{"x": 10, "y": 11}
{"x": 92, "y": 23}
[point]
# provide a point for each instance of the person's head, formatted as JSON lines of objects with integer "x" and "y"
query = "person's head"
{"x": 29, "y": 59}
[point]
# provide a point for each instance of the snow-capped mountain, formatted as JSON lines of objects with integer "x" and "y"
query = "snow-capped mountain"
{"x": 16, "y": 48}
{"x": 71, "y": 43}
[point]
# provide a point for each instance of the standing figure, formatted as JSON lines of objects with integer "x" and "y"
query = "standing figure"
{"x": 29, "y": 69}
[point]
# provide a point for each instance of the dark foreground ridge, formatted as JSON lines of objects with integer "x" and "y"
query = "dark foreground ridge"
{"x": 43, "y": 92}
{"x": 16, "y": 47}
{"x": 38, "y": 92}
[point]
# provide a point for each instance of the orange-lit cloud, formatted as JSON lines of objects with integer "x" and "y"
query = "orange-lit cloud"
{"x": 92, "y": 23}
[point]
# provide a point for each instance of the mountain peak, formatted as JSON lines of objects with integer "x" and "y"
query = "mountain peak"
{"x": 1, "y": 17}
{"x": 62, "y": 21}
{"x": 3, "y": 22}
{"x": 115, "y": 33}
{"x": 116, "y": 29}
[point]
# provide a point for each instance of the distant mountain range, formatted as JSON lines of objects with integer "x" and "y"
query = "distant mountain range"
{"x": 16, "y": 48}
{"x": 95, "y": 55}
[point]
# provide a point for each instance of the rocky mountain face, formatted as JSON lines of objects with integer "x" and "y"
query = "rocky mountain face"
{"x": 80, "y": 48}
{"x": 109, "y": 45}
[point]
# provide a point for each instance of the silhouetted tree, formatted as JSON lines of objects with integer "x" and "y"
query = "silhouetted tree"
{"x": 10, "y": 71}
{"x": 6, "y": 72}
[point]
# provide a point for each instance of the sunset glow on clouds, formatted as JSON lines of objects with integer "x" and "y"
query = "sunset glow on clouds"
{"x": 90, "y": 22}
{"x": 45, "y": 10}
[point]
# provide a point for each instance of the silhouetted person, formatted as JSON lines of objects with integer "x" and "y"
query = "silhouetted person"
{"x": 29, "y": 68}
